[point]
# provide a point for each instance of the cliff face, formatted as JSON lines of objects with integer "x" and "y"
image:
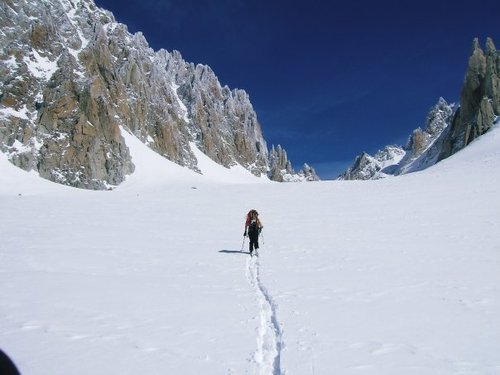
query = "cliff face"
{"x": 72, "y": 78}
{"x": 56, "y": 88}
{"x": 448, "y": 129}
{"x": 281, "y": 168}
{"x": 479, "y": 100}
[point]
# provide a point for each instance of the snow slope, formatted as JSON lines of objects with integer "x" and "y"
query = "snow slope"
{"x": 394, "y": 276}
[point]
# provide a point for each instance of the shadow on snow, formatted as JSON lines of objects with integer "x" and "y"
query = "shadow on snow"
{"x": 233, "y": 252}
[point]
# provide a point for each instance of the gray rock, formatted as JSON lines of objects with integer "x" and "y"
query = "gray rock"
{"x": 479, "y": 100}
{"x": 72, "y": 78}
{"x": 281, "y": 169}
{"x": 448, "y": 129}
{"x": 421, "y": 150}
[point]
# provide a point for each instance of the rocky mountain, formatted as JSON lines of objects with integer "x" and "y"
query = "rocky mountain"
{"x": 448, "y": 128}
{"x": 479, "y": 100}
{"x": 73, "y": 79}
{"x": 283, "y": 171}
{"x": 367, "y": 167}
{"x": 421, "y": 150}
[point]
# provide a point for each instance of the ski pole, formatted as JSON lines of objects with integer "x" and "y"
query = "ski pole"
{"x": 262, "y": 235}
{"x": 243, "y": 243}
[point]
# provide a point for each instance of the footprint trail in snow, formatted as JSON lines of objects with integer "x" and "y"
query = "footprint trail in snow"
{"x": 269, "y": 339}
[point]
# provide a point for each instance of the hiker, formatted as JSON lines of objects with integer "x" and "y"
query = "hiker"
{"x": 253, "y": 227}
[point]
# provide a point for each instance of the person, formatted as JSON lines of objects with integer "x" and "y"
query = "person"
{"x": 253, "y": 227}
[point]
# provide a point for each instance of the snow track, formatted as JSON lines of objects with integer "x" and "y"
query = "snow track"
{"x": 269, "y": 339}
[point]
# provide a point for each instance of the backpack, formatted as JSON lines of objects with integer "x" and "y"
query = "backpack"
{"x": 252, "y": 218}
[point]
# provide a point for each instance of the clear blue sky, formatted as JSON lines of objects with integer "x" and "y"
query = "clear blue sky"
{"x": 328, "y": 79}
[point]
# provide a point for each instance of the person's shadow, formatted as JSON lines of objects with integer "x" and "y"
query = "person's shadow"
{"x": 234, "y": 252}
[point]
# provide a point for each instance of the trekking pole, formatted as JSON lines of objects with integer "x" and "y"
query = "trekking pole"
{"x": 243, "y": 243}
{"x": 262, "y": 235}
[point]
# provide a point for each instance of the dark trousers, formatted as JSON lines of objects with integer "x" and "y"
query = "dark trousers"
{"x": 254, "y": 240}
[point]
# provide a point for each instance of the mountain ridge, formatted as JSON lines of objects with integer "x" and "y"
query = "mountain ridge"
{"x": 449, "y": 127}
{"x": 77, "y": 75}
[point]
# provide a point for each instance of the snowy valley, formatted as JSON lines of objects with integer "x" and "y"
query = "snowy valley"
{"x": 394, "y": 276}
{"x": 399, "y": 275}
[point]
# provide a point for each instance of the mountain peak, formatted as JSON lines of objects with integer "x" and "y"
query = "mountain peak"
{"x": 479, "y": 99}
{"x": 70, "y": 84}
{"x": 448, "y": 128}
{"x": 490, "y": 46}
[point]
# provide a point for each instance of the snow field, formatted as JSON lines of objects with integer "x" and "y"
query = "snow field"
{"x": 396, "y": 276}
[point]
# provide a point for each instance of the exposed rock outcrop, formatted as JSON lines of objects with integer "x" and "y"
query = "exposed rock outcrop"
{"x": 72, "y": 78}
{"x": 421, "y": 150}
{"x": 479, "y": 100}
{"x": 448, "y": 128}
{"x": 281, "y": 168}
{"x": 367, "y": 167}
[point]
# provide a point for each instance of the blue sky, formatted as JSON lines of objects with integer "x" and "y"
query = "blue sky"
{"x": 328, "y": 79}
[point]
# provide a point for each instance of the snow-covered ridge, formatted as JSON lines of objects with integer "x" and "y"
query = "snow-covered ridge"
{"x": 421, "y": 151}
{"x": 449, "y": 128}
